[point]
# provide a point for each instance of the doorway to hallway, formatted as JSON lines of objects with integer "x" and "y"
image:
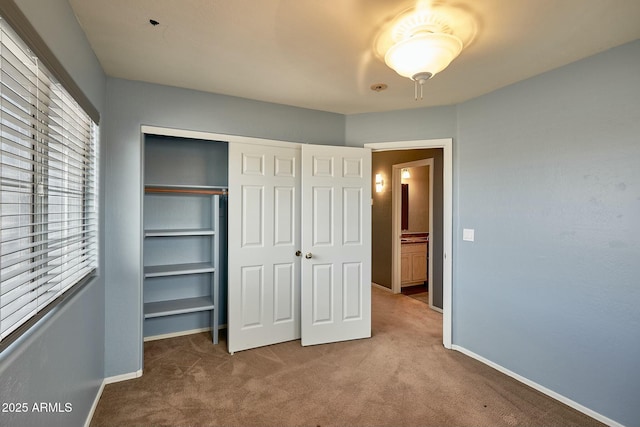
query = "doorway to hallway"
{"x": 447, "y": 217}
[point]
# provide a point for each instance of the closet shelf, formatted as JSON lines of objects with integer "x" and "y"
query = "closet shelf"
{"x": 186, "y": 189}
{"x": 178, "y": 269}
{"x": 178, "y": 306}
{"x": 179, "y": 232}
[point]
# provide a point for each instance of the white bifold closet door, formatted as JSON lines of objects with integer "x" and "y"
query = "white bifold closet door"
{"x": 299, "y": 244}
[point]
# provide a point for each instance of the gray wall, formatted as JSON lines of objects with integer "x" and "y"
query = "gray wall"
{"x": 132, "y": 104}
{"x": 547, "y": 173}
{"x": 61, "y": 359}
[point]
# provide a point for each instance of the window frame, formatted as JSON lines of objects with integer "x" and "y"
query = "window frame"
{"x": 71, "y": 150}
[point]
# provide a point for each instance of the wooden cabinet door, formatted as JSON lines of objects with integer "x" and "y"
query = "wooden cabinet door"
{"x": 413, "y": 263}
{"x": 405, "y": 268}
{"x": 419, "y": 266}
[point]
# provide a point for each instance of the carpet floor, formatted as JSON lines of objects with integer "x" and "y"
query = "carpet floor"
{"x": 423, "y": 297}
{"x": 401, "y": 376}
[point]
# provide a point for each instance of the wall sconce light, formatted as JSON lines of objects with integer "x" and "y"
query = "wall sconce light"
{"x": 405, "y": 173}
{"x": 379, "y": 183}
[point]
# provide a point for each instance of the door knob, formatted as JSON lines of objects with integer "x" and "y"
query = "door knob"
{"x": 308, "y": 255}
{"x": 298, "y": 253}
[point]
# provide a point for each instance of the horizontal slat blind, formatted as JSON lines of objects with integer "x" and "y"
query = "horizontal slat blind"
{"x": 48, "y": 181}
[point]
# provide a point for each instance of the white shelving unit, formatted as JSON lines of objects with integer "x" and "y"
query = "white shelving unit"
{"x": 176, "y": 233}
{"x": 173, "y": 257}
{"x": 178, "y": 306}
{"x": 178, "y": 269}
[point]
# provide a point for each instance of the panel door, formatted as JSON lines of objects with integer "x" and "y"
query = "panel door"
{"x": 264, "y": 234}
{"x": 336, "y": 244}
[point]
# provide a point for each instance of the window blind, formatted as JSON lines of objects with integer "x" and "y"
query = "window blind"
{"x": 48, "y": 178}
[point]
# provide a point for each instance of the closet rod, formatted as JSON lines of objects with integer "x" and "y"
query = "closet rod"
{"x": 185, "y": 191}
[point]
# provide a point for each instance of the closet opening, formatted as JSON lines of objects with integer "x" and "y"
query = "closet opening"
{"x": 184, "y": 236}
{"x": 338, "y": 180}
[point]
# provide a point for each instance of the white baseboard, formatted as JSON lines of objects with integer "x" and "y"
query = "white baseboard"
{"x": 540, "y": 388}
{"x": 384, "y": 288}
{"x": 106, "y": 381}
{"x": 123, "y": 377}
{"x": 176, "y": 334}
{"x": 87, "y": 423}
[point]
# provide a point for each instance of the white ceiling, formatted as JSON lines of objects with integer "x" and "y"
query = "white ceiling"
{"x": 319, "y": 54}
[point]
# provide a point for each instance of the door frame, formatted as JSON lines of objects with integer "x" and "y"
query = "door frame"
{"x": 212, "y": 136}
{"x": 396, "y": 231}
{"x": 203, "y": 135}
{"x": 447, "y": 245}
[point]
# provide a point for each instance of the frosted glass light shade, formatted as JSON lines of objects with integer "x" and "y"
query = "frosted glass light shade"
{"x": 423, "y": 53}
{"x": 379, "y": 183}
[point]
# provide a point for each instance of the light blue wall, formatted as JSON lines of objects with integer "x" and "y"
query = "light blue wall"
{"x": 61, "y": 359}
{"x": 548, "y": 175}
{"x": 403, "y": 125}
{"x": 132, "y": 104}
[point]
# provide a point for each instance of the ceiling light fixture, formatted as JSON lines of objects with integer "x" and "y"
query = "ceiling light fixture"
{"x": 405, "y": 173}
{"x": 423, "y": 41}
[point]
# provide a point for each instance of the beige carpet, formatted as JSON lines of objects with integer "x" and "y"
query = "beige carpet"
{"x": 423, "y": 297}
{"x": 402, "y": 376}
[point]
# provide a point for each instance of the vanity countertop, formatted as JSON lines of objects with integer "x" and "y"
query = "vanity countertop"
{"x": 414, "y": 237}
